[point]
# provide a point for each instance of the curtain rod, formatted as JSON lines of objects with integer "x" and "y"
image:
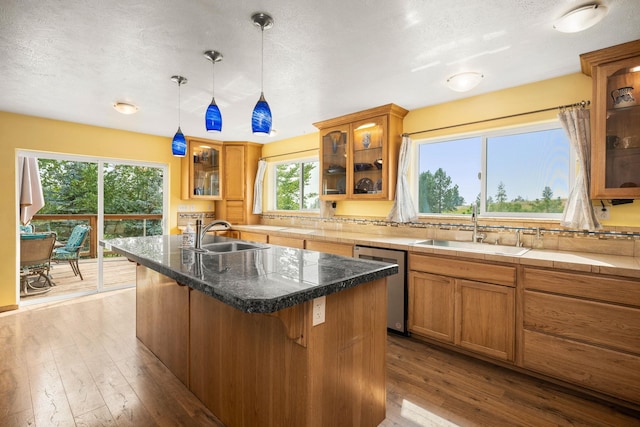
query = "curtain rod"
{"x": 288, "y": 154}
{"x": 582, "y": 104}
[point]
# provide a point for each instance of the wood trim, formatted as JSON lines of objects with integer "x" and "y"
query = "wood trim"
{"x": 8, "y": 307}
{"x": 391, "y": 109}
{"x": 590, "y": 60}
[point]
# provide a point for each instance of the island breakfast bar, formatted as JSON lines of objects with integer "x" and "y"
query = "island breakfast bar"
{"x": 239, "y": 329}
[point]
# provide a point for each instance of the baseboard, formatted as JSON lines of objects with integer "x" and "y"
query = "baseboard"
{"x": 8, "y": 307}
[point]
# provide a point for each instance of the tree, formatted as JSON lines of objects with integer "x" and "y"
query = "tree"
{"x": 288, "y": 191}
{"x": 437, "y": 193}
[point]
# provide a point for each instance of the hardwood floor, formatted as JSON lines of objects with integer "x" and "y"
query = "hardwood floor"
{"x": 78, "y": 363}
{"x": 118, "y": 272}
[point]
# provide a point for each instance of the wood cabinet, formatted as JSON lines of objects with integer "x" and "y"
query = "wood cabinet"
{"x": 254, "y": 237}
{"x": 583, "y": 329}
{"x": 202, "y": 170}
{"x": 615, "y": 121}
{"x": 343, "y": 249}
{"x": 162, "y": 319}
{"x": 359, "y": 154}
{"x": 468, "y": 304}
{"x": 239, "y": 174}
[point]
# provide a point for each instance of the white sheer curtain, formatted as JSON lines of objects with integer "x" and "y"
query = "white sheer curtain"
{"x": 29, "y": 188}
{"x": 578, "y": 213}
{"x": 403, "y": 209}
{"x": 258, "y": 187}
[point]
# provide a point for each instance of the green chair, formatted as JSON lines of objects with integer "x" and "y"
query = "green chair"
{"x": 71, "y": 250}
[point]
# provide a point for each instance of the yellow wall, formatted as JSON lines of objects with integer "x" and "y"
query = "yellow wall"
{"x": 18, "y": 132}
{"x": 531, "y": 97}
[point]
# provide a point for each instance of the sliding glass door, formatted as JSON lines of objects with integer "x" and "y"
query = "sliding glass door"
{"x": 115, "y": 199}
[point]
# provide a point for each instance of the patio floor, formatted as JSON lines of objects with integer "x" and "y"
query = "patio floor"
{"x": 118, "y": 272}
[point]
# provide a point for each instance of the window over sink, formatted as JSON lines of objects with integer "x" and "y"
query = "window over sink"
{"x": 526, "y": 171}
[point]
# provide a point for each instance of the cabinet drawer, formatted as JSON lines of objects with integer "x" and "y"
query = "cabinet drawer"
{"x": 490, "y": 273}
{"x": 592, "y": 286}
{"x": 254, "y": 237}
{"x": 290, "y": 242}
{"x": 613, "y": 326}
{"x": 330, "y": 247}
{"x": 608, "y": 371}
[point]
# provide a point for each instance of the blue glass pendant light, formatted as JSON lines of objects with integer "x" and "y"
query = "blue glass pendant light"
{"x": 213, "y": 118}
{"x": 261, "y": 118}
{"x": 179, "y": 144}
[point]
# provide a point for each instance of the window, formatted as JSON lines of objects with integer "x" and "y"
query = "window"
{"x": 519, "y": 172}
{"x": 296, "y": 185}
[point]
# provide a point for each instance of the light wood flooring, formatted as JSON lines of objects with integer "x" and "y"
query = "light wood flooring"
{"x": 78, "y": 363}
{"x": 118, "y": 272}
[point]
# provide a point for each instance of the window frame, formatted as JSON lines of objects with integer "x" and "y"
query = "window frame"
{"x": 484, "y": 135}
{"x": 273, "y": 197}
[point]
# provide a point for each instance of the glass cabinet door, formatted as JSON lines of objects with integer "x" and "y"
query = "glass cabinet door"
{"x": 368, "y": 157}
{"x": 202, "y": 170}
{"x": 620, "y": 142}
{"x": 334, "y": 149}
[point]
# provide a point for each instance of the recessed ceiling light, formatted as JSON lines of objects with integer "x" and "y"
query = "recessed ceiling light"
{"x": 463, "y": 82}
{"x": 125, "y": 107}
{"x": 581, "y": 18}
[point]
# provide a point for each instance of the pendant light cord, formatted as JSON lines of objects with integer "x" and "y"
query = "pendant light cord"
{"x": 262, "y": 62}
{"x": 179, "y": 83}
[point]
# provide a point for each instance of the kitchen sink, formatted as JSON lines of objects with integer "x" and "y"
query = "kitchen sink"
{"x": 486, "y": 248}
{"x": 227, "y": 247}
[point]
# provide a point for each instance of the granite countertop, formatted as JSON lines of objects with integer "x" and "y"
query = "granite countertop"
{"x": 600, "y": 263}
{"x": 256, "y": 281}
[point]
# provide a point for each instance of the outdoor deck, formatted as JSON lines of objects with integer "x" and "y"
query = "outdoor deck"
{"x": 118, "y": 272}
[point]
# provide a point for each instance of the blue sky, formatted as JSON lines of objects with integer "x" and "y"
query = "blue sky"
{"x": 525, "y": 163}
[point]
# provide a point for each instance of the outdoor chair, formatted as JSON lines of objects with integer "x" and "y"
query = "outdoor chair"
{"x": 71, "y": 249}
{"x": 35, "y": 262}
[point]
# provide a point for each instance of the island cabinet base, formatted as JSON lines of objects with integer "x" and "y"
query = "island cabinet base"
{"x": 279, "y": 370}
{"x": 271, "y": 369}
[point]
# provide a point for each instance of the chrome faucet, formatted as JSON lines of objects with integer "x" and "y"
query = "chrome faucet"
{"x": 201, "y": 231}
{"x": 474, "y": 220}
{"x": 518, "y": 242}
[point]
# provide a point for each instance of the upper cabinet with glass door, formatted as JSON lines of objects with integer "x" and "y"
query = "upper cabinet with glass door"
{"x": 201, "y": 170}
{"x": 615, "y": 121}
{"x": 359, "y": 154}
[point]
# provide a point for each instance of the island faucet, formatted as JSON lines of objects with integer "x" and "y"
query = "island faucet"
{"x": 201, "y": 231}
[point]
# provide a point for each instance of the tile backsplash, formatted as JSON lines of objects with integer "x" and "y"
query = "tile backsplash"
{"x": 533, "y": 234}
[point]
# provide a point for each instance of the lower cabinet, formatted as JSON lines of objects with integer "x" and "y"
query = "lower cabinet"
{"x": 290, "y": 242}
{"x": 162, "y": 319}
{"x": 254, "y": 237}
{"x": 470, "y": 314}
{"x": 343, "y": 249}
{"x": 584, "y": 329}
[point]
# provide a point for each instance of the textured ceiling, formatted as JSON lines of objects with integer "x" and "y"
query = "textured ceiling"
{"x": 71, "y": 60}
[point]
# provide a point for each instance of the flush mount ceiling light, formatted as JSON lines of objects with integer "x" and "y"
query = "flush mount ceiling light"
{"x": 261, "y": 118}
{"x": 213, "y": 118}
{"x": 463, "y": 82}
{"x": 179, "y": 144}
{"x": 581, "y": 18}
{"x": 125, "y": 107}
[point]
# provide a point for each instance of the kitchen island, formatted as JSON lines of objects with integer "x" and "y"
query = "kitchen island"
{"x": 241, "y": 331}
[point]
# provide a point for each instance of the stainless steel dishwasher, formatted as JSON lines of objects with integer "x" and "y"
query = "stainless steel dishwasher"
{"x": 396, "y": 284}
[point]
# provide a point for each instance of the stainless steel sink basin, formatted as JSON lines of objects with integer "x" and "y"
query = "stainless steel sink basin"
{"x": 227, "y": 247}
{"x": 486, "y": 248}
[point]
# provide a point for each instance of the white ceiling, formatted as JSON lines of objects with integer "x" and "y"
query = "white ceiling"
{"x": 71, "y": 60}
